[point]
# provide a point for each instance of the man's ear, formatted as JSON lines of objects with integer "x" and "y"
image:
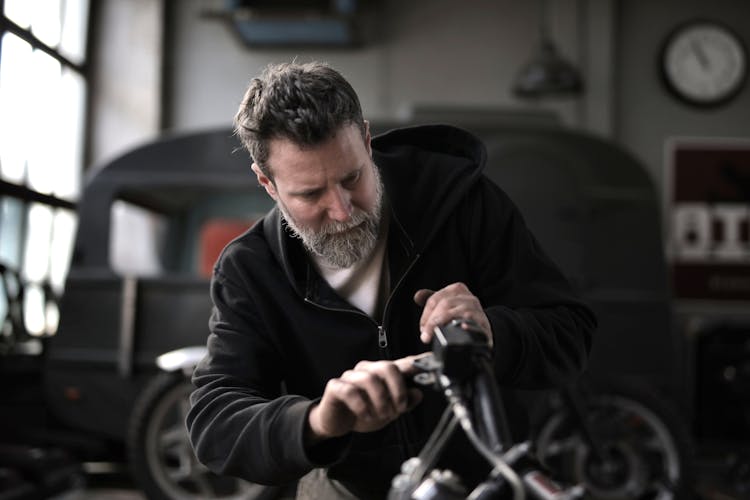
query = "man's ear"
{"x": 265, "y": 181}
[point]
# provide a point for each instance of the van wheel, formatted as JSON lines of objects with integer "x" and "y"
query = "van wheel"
{"x": 161, "y": 456}
{"x": 647, "y": 453}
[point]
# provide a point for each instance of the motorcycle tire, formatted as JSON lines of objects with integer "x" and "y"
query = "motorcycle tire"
{"x": 646, "y": 450}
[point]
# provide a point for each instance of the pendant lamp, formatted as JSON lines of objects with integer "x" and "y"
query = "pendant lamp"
{"x": 548, "y": 73}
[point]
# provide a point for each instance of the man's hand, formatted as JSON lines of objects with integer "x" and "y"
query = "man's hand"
{"x": 364, "y": 399}
{"x": 455, "y": 301}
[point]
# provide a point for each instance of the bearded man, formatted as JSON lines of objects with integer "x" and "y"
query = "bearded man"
{"x": 373, "y": 242}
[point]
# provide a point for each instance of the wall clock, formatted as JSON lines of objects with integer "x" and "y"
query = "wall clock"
{"x": 704, "y": 63}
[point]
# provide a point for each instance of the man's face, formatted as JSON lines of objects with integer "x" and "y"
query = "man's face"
{"x": 330, "y": 194}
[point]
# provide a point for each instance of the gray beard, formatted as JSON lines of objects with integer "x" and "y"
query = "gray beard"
{"x": 342, "y": 244}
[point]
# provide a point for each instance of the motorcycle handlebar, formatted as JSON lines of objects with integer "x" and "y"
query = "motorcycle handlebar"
{"x": 461, "y": 367}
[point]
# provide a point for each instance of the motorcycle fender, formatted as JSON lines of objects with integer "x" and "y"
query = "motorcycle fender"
{"x": 185, "y": 359}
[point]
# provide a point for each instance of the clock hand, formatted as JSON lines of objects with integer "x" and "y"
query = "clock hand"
{"x": 700, "y": 54}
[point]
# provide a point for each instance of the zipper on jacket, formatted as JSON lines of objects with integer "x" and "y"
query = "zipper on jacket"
{"x": 402, "y": 429}
{"x": 382, "y": 337}
{"x": 401, "y": 426}
{"x": 382, "y": 334}
{"x": 340, "y": 309}
{"x": 386, "y": 309}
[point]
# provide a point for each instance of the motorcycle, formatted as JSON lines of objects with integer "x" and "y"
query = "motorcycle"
{"x": 606, "y": 440}
{"x": 613, "y": 444}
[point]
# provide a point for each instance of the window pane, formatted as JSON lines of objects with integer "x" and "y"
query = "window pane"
{"x": 60, "y": 24}
{"x": 46, "y": 91}
{"x": 45, "y": 21}
{"x": 3, "y": 310}
{"x": 19, "y": 11}
{"x": 33, "y": 310}
{"x": 33, "y": 84}
{"x": 11, "y": 222}
{"x": 74, "y": 23}
{"x": 67, "y": 146}
{"x": 63, "y": 233}
{"x": 38, "y": 237}
{"x": 10, "y": 304}
{"x": 16, "y": 111}
{"x": 51, "y": 316}
{"x": 41, "y": 314}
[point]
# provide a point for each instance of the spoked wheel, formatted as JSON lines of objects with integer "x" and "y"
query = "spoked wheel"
{"x": 161, "y": 456}
{"x": 644, "y": 450}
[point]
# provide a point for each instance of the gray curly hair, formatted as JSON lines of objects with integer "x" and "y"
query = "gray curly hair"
{"x": 305, "y": 103}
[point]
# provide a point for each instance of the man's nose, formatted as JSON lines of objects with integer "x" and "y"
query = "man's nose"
{"x": 339, "y": 204}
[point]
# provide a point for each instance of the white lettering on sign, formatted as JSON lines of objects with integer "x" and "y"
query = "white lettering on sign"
{"x": 694, "y": 236}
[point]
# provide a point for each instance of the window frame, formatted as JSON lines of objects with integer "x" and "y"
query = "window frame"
{"x": 22, "y": 192}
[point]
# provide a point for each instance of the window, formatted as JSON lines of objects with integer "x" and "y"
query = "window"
{"x": 131, "y": 223}
{"x": 43, "y": 85}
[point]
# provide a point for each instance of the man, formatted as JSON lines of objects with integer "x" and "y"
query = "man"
{"x": 372, "y": 243}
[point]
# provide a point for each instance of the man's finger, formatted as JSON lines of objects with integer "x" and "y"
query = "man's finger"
{"x": 437, "y": 312}
{"x": 422, "y": 295}
{"x": 391, "y": 376}
{"x": 336, "y": 414}
{"x": 447, "y": 310}
{"x": 406, "y": 364}
{"x": 431, "y": 302}
{"x": 353, "y": 399}
{"x": 377, "y": 393}
{"x": 421, "y": 298}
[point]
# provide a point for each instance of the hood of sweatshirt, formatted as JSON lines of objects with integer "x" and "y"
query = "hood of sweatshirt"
{"x": 427, "y": 170}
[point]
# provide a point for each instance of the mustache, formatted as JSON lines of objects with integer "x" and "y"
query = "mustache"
{"x": 335, "y": 227}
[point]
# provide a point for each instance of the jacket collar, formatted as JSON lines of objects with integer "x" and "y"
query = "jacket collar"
{"x": 427, "y": 170}
{"x": 287, "y": 249}
{"x": 302, "y": 275}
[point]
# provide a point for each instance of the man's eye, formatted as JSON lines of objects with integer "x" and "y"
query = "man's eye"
{"x": 351, "y": 180}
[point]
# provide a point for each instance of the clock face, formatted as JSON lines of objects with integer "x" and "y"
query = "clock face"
{"x": 704, "y": 63}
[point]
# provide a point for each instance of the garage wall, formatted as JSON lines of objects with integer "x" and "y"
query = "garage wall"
{"x": 428, "y": 51}
{"x": 645, "y": 113}
{"x": 126, "y": 76}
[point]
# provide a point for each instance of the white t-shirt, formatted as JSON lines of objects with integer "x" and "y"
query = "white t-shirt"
{"x": 366, "y": 283}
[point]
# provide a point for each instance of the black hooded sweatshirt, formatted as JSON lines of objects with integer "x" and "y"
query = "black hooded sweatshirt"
{"x": 277, "y": 322}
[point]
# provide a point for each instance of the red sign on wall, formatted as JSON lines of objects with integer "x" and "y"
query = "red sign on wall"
{"x": 708, "y": 218}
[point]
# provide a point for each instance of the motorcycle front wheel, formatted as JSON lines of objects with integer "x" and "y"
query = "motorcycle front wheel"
{"x": 644, "y": 449}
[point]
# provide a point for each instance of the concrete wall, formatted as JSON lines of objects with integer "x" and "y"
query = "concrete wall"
{"x": 645, "y": 113}
{"x": 127, "y": 41}
{"x": 427, "y": 51}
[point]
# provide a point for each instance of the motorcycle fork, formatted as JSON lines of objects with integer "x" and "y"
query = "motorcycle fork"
{"x": 575, "y": 403}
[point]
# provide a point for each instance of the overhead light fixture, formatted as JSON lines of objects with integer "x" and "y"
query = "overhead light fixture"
{"x": 548, "y": 73}
{"x": 292, "y": 23}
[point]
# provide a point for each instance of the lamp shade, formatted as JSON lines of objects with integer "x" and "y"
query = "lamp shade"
{"x": 547, "y": 74}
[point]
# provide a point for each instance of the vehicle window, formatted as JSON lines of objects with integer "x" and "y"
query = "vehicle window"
{"x": 185, "y": 238}
{"x": 137, "y": 240}
{"x": 215, "y": 234}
